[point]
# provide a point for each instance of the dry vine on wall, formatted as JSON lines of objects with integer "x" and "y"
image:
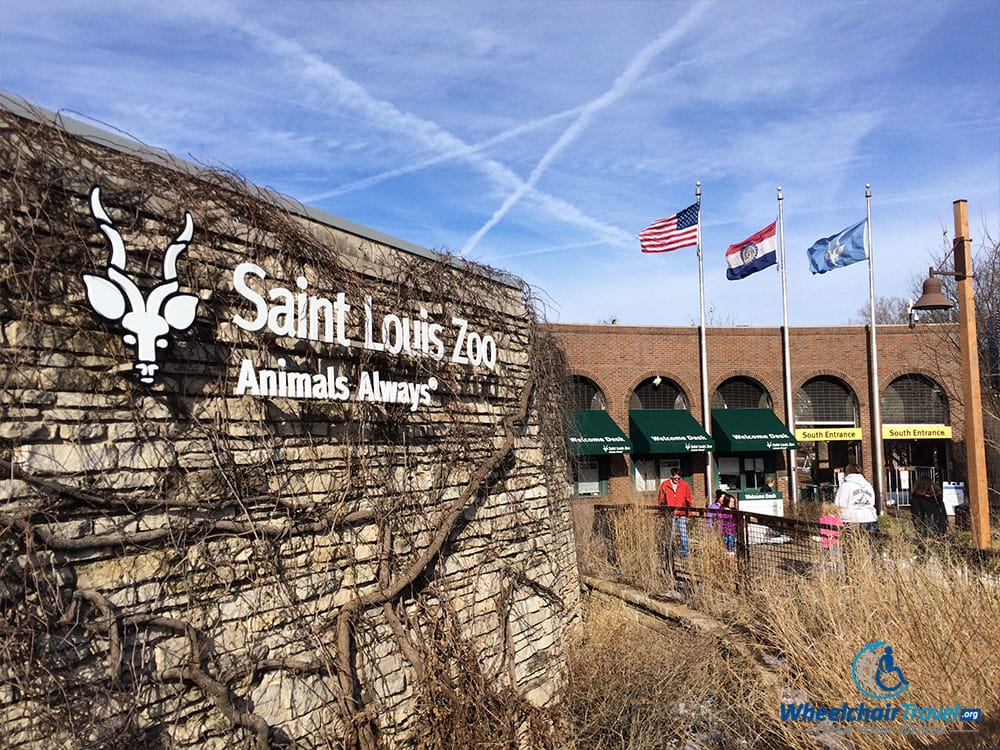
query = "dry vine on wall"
{"x": 184, "y": 567}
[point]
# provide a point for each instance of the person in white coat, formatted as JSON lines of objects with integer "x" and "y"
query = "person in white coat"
{"x": 856, "y": 500}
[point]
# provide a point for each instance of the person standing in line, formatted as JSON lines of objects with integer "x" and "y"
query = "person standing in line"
{"x": 676, "y": 493}
{"x": 927, "y": 508}
{"x": 856, "y": 500}
{"x": 727, "y": 523}
{"x": 710, "y": 522}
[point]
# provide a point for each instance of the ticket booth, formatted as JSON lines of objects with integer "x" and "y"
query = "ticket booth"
{"x": 749, "y": 451}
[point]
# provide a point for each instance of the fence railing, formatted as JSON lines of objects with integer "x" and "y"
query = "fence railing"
{"x": 899, "y": 482}
{"x": 760, "y": 545}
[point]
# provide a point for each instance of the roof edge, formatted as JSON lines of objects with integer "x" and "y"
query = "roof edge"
{"x": 121, "y": 142}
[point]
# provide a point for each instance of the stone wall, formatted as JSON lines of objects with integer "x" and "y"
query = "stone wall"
{"x": 292, "y": 531}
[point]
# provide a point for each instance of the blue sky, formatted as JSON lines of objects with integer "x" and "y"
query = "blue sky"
{"x": 541, "y": 137}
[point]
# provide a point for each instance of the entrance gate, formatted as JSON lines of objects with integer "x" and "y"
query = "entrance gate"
{"x": 900, "y": 480}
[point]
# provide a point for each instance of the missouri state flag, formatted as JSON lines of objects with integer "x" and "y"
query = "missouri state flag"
{"x": 755, "y": 253}
{"x": 842, "y": 249}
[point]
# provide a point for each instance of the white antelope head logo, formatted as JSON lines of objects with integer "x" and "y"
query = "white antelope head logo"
{"x": 146, "y": 320}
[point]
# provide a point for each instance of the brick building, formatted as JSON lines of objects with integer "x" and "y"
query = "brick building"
{"x": 638, "y": 410}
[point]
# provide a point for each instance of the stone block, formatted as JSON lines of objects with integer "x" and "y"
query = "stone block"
{"x": 147, "y": 454}
{"x": 131, "y": 480}
{"x": 18, "y": 431}
{"x": 16, "y": 489}
{"x": 27, "y": 397}
{"x": 83, "y": 432}
{"x": 91, "y": 402}
{"x": 55, "y": 359}
{"x": 66, "y": 458}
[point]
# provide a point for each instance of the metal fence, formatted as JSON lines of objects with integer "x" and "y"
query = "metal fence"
{"x": 762, "y": 545}
{"x": 758, "y": 543}
{"x": 899, "y": 482}
{"x": 817, "y": 493}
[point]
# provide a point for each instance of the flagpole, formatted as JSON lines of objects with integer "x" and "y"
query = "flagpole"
{"x": 875, "y": 396}
{"x": 706, "y": 412}
{"x": 786, "y": 357}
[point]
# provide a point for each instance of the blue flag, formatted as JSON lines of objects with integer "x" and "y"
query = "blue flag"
{"x": 839, "y": 250}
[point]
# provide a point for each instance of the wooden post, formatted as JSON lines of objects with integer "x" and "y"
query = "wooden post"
{"x": 975, "y": 444}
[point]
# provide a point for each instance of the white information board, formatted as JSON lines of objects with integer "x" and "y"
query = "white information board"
{"x": 953, "y": 493}
{"x": 767, "y": 503}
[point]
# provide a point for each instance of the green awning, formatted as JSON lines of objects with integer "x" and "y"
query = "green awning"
{"x": 667, "y": 431}
{"x": 594, "y": 433}
{"x": 750, "y": 431}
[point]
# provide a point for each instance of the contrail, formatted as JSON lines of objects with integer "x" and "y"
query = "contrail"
{"x": 457, "y": 153}
{"x": 351, "y": 94}
{"x": 551, "y": 249}
{"x": 621, "y": 85}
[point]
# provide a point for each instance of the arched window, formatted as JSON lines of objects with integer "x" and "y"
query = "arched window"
{"x": 741, "y": 393}
{"x": 914, "y": 399}
{"x": 588, "y": 473}
{"x": 658, "y": 393}
{"x": 827, "y": 405}
{"x": 587, "y": 396}
{"x": 651, "y": 465}
{"x": 826, "y": 401}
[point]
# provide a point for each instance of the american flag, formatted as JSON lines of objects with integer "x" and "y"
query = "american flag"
{"x": 672, "y": 233}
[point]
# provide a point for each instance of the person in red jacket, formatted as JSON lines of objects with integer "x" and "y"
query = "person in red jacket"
{"x": 676, "y": 493}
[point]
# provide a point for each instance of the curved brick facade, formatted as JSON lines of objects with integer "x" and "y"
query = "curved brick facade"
{"x": 618, "y": 358}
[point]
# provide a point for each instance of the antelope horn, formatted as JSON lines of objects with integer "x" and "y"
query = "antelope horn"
{"x": 177, "y": 247}
{"x": 108, "y": 229}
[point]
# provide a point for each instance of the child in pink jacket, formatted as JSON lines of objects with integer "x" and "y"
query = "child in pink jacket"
{"x": 829, "y": 534}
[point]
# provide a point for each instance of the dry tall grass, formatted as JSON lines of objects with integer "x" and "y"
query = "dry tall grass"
{"x": 631, "y": 687}
{"x": 621, "y": 550}
{"x": 790, "y": 638}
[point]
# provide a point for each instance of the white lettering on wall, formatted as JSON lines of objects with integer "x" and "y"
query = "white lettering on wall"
{"x": 267, "y": 383}
{"x": 310, "y": 317}
{"x": 297, "y": 315}
{"x": 328, "y": 385}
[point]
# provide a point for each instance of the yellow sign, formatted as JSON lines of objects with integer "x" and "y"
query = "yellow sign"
{"x": 915, "y": 431}
{"x": 828, "y": 433}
